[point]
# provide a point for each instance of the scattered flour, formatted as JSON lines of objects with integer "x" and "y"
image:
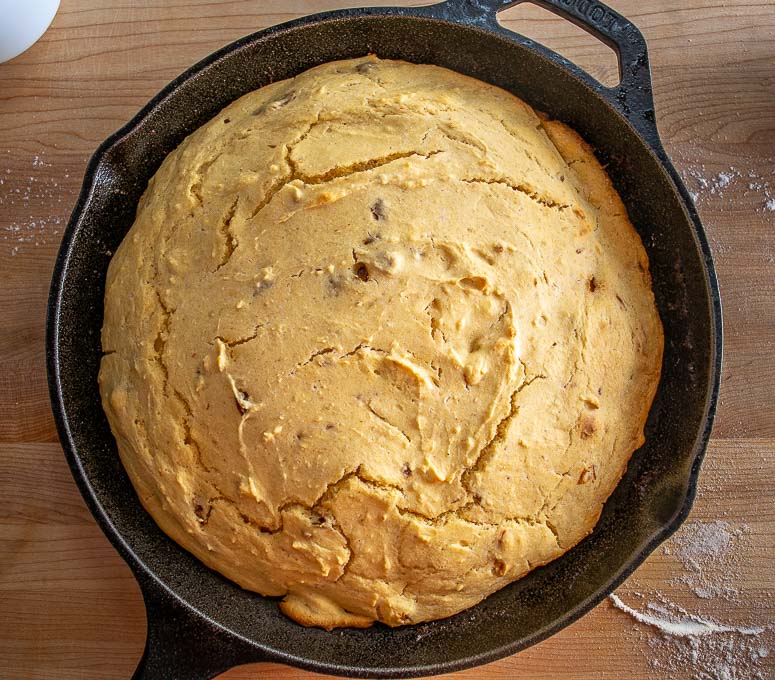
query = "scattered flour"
{"x": 713, "y": 185}
{"x": 694, "y": 645}
{"x": 712, "y": 657}
{"x": 704, "y": 186}
{"x": 744, "y": 192}
{"x": 35, "y": 192}
{"x": 722, "y": 181}
{"x": 706, "y": 552}
{"x": 35, "y": 232}
{"x": 689, "y": 627}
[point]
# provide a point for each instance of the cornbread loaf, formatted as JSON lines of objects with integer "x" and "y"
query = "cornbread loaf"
{"x": 381, "y": 341}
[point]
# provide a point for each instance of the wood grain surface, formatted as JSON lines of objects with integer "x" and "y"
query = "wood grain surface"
{"x": 69, "y": 607}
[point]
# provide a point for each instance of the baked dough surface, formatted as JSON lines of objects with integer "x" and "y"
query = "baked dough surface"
{"x": 381, "y": 340}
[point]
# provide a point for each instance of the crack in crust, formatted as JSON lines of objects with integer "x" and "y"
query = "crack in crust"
{"x": 160, "y": 346}
{"x": 230, "y": 241}
{"x": 390, "y": 425}
{"x": 315, "y": 354}
{"x": 200, "y": 172}
{"x": 342, "y": 171}
{"x": 273, "y": 190}
{"x": 239, "y": 341}
{"x": 331, "y": 350}
{"x": 533, "y": 195}
{"x": 160, "y": 342}
{"x": 460, "y": 138}
{"x": 203, "y": 517}
{"x": 334, "y": 173}
{"x": 188, "y": 437}
{"x": 486, "y": 452}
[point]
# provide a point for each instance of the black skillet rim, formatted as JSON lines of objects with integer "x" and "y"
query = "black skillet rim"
{"x": 147, "y": 577}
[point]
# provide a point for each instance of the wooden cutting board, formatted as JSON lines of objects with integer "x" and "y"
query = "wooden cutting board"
{"x": 69, "y": 607}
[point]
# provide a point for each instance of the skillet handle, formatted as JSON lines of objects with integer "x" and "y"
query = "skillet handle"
{"x": 182, "y": 646}
{"x": 633, "y": 96}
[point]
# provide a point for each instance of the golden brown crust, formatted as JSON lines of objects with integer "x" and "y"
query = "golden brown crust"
{"x": 380, "y": 340}
{"x": 310, "y": 609}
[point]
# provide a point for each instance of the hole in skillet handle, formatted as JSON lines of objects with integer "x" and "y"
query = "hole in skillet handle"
{"x": 632, "y": 96}
{"x": 564, "y": 37}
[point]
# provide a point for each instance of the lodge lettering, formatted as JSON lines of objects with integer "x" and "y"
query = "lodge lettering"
{"x": 593, "y": 11}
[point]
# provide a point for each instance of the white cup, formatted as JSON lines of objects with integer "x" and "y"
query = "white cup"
{"x": 22, "y": 22}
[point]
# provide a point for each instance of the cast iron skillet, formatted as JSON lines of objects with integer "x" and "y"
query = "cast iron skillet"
{"x": 200, "y": 624}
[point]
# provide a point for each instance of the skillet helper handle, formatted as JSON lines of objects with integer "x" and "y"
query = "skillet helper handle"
{"x": 182, "y": 646}
{"x": 633, "y": 96}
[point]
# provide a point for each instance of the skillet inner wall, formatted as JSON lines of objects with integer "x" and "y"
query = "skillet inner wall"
{"x": 649, "y": 495}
